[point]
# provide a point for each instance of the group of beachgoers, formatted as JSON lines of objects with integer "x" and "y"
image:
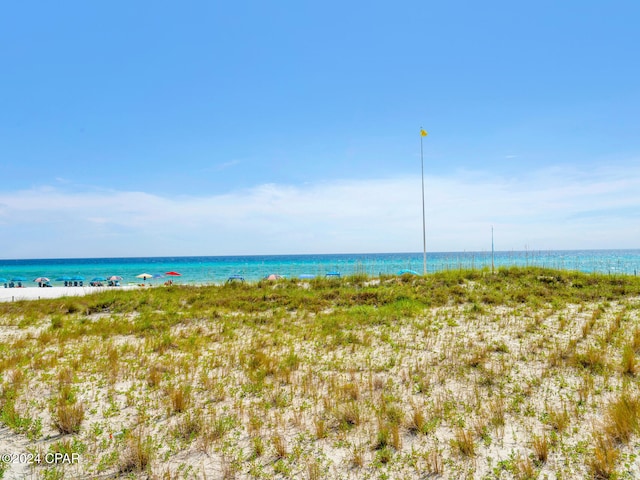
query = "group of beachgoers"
{"x": 44, "y": 282}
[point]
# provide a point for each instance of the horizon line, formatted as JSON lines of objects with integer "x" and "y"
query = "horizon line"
{"x": 488, "y": 252}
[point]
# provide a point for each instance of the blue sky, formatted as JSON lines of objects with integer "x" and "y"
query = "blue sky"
{"x": 215, "y": 128}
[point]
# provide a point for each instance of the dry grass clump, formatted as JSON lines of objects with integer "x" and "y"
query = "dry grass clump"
{"x": 602, "y": 461}
{"x": 464, "y": 443}
{"x": 434, "y": 464}
{"x": 540, "y": 447}
{"x": 629, "y": 363}
{"x": 559, "y": 419}
{"x": 155, "y": 375}
{"x": 67, "y": 413}
{"x": 137, "y": 455}
{"x": 622, "y": 418}
{"x": 279, "y": 446}
{"x": 179, "y": 398}
{"x": 68, "y": 417}
{"x": 418, "y": 422}
{"x": 217, "y": 426}
{"x": 314, "y": 471}
{"x": 320, "y": 428}
{"x": 525, "y": 469}
{"x": 358, "y": 456}
{"x": 348, "y": 415}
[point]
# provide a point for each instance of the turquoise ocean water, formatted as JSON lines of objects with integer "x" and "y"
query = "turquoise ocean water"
{"x": 200, "y": 270}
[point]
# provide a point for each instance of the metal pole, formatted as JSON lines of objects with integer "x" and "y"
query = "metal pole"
{"x": 491, "y": 248}
{"x": 424, "y": 229}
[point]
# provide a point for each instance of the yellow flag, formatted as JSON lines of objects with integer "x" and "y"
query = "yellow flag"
{"x": 423, "y": 133}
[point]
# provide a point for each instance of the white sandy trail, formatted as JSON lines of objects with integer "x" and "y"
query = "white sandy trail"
{"x": 36, "y": 293}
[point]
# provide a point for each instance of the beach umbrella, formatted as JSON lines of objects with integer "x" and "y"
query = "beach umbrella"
{"x": 173, "y": 274}
{"x": 273, "y": 276}
{"x": 157, "y": 275}
{"x": 18, "y": 279}
{"x": 409, "y": 272}
{"x": 77, "y": 278}
{"x": 42, "y": 280}
{"x": 306, "y": 275}
{"x": 64, "y": 278}
{"x": 3, "y": 279}
{"x": 98, "y": 279}
{"x": 115, "y": 278}
{"x": 144, "y": 276}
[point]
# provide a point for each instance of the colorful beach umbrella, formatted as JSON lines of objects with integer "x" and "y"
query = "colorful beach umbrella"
{"x": 115, "y": 278}
{"x": 42, "y": 280}
{"x": 173, "y": 274}
{"x": 273, "y": 276}
{"x": 409, "y": 272}
{"x": 144, "y": 276}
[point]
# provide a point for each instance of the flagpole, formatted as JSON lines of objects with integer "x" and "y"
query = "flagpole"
{"x": 424, "y": 229}
{"x": 492, "y": 266}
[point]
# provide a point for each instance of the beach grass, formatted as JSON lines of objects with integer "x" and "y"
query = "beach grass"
{"x": 521, "y": 373}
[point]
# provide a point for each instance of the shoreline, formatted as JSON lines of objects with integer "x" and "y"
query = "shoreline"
{"x": 37, "y": 293}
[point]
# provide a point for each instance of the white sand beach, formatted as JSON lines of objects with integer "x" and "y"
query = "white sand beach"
{"x": 36, "y": 293}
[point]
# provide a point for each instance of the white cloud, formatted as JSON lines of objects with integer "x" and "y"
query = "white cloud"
{"x": 550, "y": 209}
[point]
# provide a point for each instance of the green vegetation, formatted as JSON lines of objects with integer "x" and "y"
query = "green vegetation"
{"x": 519, "y": 374}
